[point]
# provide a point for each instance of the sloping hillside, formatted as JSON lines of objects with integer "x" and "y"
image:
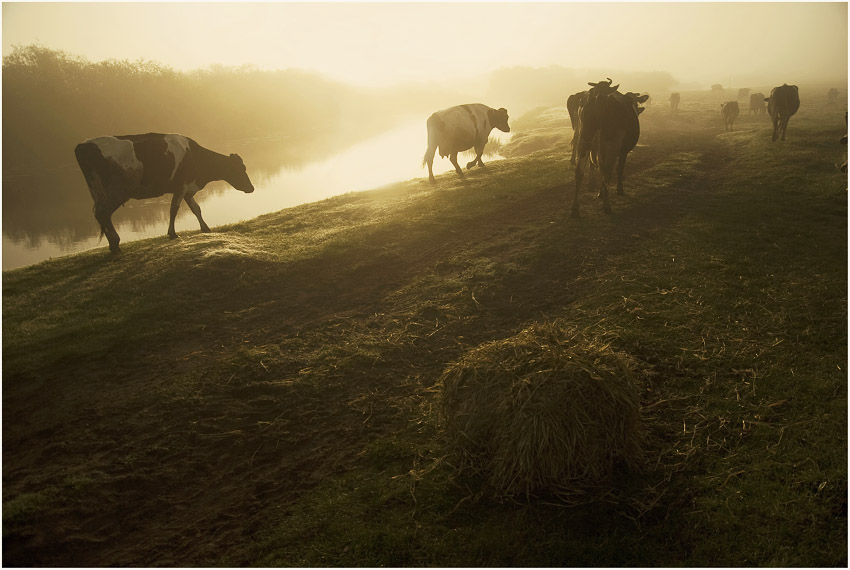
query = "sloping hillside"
{"x": 264, "y": 395}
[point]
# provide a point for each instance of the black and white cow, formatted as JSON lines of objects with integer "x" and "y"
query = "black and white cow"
{"x": 460, "y": 128}
{"x": 610, "y": 130}
{"x": 783, "y": 102}
{"x": 118, "y": 168}
{"x": 574, "y": 104}
{"x": 729, "y": 111}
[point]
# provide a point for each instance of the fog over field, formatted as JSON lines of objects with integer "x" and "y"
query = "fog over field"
{"x": 386, "y": 43}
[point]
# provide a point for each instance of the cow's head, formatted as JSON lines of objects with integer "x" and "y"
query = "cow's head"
{"x": 237, "y": 174}
{"x": 499, "y": 118}
{"x": 635, "y": 99}
{"x": 604, "y": 87}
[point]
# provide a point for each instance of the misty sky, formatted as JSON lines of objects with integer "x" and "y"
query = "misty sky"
{"x": 385, "y": 43}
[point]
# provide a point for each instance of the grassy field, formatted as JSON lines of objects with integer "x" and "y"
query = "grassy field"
{"x": 266, "y": 395}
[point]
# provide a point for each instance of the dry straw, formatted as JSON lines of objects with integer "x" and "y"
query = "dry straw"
{"x": 548, "y": 411}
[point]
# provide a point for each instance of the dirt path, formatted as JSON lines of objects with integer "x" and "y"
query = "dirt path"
{"x": 147, "y": 471}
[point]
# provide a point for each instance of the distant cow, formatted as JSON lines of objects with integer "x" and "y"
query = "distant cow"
{"x": 717, "y": 88}
{"x": 674, "y": 101}
{"x": 460, "y": 128}
{"x": 574, "y": 104}
{"x": 832, "y": 96}
{"x": 756, "y": 104}
{"x": 729, "y": 110}
{"x": 781, "y": 106}
{"x": 609, "y": 123}
{"x": 118, "y": 168}
{"x": 743, "y": 93}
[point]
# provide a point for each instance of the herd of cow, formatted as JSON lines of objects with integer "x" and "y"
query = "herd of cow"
{"x": 605, "y": 129}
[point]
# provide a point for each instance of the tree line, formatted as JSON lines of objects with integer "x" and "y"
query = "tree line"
{"x": 52, "y": 100}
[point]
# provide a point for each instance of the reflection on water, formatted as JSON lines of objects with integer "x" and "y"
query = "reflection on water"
{"x": 50, "y": 215}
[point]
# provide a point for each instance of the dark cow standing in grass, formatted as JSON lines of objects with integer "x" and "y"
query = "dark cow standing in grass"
{"x": 146, "y": 166}
{"x": 781, "y": 106}
{"x": 717, "y": 88}
{"x": 729, "y": 110}
{"x": 674, "y": 101}
{"x": 609, "y": 123}
{"x": 574, "y": 104}
{"x": 832, "y": 96}
{"x": 460, "y": 128}
{"x": 756, "y": 104}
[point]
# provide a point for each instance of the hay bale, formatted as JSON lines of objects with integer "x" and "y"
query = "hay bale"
{"x": 546, "y": 411}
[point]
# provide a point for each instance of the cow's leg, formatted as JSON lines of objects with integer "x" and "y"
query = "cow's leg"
{"x": 581, "y": 165}
{"x": 103, "y": 214}
{"x": 479, "y": 150}
{"x": 196, "y": 209}
{"x": 453, "y": 158}
{"x": 621, "y": 167}
{"x": 429, "y": 160}
{"x": 775, "y": 128}
{"x": 175, "y": 205}
{"x": 783, "y": 124}
{"x": 607, "y": 155}
{"x": 573, "y": 144}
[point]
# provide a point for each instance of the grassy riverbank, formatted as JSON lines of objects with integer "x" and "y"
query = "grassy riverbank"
{"x": 265, "y": 395}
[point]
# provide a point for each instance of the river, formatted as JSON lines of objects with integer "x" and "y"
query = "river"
{"x": 50, "y": 215}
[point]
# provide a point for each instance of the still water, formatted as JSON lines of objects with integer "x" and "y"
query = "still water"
{"x": 50, "y": 215}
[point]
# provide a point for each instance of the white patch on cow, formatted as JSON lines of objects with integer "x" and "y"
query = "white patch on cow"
{"x": 178, "y": 146}
{"x": 121, "y": 152}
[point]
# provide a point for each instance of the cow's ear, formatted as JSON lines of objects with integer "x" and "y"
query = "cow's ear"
{"x": 643, "y": 98}
{"x": 592, "y": 84}
{"x": 617, "y": 86}
{"x": 640, "y": 110}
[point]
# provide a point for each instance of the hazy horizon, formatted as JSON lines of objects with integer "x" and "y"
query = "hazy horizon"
{"x": 382, "y": 44}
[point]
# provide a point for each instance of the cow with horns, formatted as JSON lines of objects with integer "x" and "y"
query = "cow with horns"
{"x": 609, "y": 131}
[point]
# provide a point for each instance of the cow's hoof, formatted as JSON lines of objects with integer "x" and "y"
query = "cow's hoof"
{"x": 115, "y": 249}
{"x": 206, "y": 230}
{"x": 173, "y": 236}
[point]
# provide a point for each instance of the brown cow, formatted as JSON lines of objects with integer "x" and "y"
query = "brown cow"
{"x": 574, "y": 104}
{"x": 781, "y": 106}
{"x": 609, "y": 123}
{"x": 832, "y": 96}
{"x": 756, "y": 104}
{"x": 674, "y": 101}
{"x": 729, "y": 111}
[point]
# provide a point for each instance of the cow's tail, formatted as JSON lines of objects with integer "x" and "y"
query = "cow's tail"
{"x": 87, "y": 154}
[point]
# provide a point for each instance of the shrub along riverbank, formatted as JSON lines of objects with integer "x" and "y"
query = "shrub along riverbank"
{"x": 267, "y": 394}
